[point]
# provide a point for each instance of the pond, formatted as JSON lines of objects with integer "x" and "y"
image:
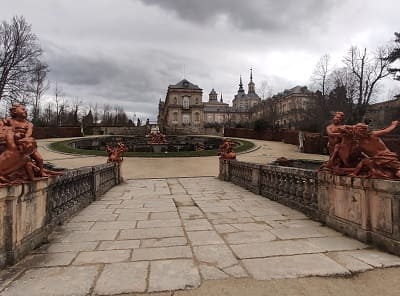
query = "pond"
{"x": 140, "y": 143}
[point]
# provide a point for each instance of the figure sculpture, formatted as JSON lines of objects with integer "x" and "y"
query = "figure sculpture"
{"x": 199, "y": 147}
{"x": 357, "y": 151}
{"x": 115, "y": 154}
{"x": 226, "y": 150}
{"x": 156, "y": 137}
{"x": 20, "y": 160}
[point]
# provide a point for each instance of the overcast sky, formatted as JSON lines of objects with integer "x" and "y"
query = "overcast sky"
{"x": 127, "y": 52}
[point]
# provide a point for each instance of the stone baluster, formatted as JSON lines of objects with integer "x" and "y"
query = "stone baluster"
{"x": 306, "y": 192}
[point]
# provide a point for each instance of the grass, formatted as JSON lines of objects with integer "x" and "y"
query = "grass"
{"x": 63, "y": 146}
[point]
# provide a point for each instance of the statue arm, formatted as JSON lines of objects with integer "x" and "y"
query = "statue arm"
{"x": 330, "y": 133}
{"x": 10, "y": 140}
{"x": 387, "y": 130}
{"x": 4, "y": 122}
{"x": 29, "y": 131}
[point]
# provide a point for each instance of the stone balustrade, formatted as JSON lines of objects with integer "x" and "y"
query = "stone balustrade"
{"x": 366, "y": 209}
{"x": 28, "y": 212}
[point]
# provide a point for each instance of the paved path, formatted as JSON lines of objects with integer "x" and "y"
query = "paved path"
{"x": 136, "y": 167}
{"x": 155, "y": 235}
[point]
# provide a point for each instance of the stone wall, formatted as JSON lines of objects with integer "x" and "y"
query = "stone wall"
{"x": 366, "y": 209}
{"x": 56, "y": 132}
{"x": 267, "y": 134}
{"x": 117, "y": 130}
{"x": 28, "y": 212}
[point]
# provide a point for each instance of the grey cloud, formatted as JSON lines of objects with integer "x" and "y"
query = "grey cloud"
{"x": 135, "y": 82}
{"x": 289, "y": 15}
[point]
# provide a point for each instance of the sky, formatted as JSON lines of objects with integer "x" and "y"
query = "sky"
{"x": 127, "y": 52}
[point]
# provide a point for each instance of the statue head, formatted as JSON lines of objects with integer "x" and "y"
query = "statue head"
{"x": 338, "y": 117}
{"x": 18, "y": 111}
{"x": 360, "y": 130}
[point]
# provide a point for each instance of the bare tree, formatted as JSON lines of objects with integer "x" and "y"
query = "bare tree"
{"x": 95, "y": 112}
{"x": 19, "y": 54}
{"x": 367, "y": 70}
{"x": 394, "y": 56}
{"x": 37, "y": 86}
{"x": 60, "y": 103}
{"x": 76, "y": 104}
{"x": 321, "y": 75}
{"x": 265, "y": 90}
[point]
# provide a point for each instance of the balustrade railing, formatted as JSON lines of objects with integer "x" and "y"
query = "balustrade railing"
{"x": 241, "y": 173}
{"x": 293, "y": 186}
{"x": 363, "y": 208}
{"x": 77, "y": 188}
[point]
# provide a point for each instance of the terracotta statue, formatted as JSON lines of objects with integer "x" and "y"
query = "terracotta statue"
{"x": 356, "y": 151}
{"x": 226, "y": 150}
{"x": 334, "y": 132}
{"x": 20, "y": 160}
{"x": 156, "y": 137}
{"x": 115, "y": 154}
{"x": 379, "y": 161}
{"x": 22, "y": 128}
{"x": 16, "y": 161}
{"x": 199, "y": 147}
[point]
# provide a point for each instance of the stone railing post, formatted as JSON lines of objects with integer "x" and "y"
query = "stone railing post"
{"x": 94, "y": 183}
{"x": 117, "y": 173}
{"x": 256, "y": 179}
{"x": 224, "y": 170}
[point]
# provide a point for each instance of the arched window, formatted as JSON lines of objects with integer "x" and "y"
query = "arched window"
{"x": 185, "y": 102}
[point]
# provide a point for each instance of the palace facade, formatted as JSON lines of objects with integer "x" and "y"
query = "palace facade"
{"x": 184, "y": 112}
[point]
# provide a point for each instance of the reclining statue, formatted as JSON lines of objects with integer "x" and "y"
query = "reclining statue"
{"x": 357, "y": 151}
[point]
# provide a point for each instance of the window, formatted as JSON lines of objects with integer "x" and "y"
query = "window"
{"x": 197, "y": 101}
{"x": 175, "y": 116}
{"x": 186, "y": 119}
{"x": 210, "y": 118}
{"x": 185, "y": 102}
{"x": 196, "y": 117}
{"x": 175, "y": 101}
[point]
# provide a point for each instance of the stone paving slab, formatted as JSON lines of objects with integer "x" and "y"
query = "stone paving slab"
{"x": 162, "y": 253}
{"x": 293, "y": 266}
{"x": 118, "y": 245}
{"x": 67, "y": 247}
{"x": 163, "y": 242}
{"x": 274, "y": 248}
{"x": 173, "y": 275}
{"x": 151, "y": 233}
{"x": 157, "y": 235}
{"x": 54, "y": 281}
{"x": 118, "y": 278}
{"x": 109, "y": 256}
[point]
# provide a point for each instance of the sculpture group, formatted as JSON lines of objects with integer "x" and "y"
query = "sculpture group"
{"x": 115, "y": 154}
{"x": 354, "y": 150}
{"x": 156, "y": 137}
{"x": 20, "y": 160}
{"x": 226, "y": 150}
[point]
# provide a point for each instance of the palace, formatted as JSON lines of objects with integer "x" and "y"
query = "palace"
{"x": 184, "y": 112}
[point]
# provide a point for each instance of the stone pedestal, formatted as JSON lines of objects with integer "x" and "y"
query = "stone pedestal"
{"x": 23, "y": 219}
{"x": 157, "y": 148}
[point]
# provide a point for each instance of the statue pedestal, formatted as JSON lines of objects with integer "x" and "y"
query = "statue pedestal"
{"x": 159, "y": 147}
